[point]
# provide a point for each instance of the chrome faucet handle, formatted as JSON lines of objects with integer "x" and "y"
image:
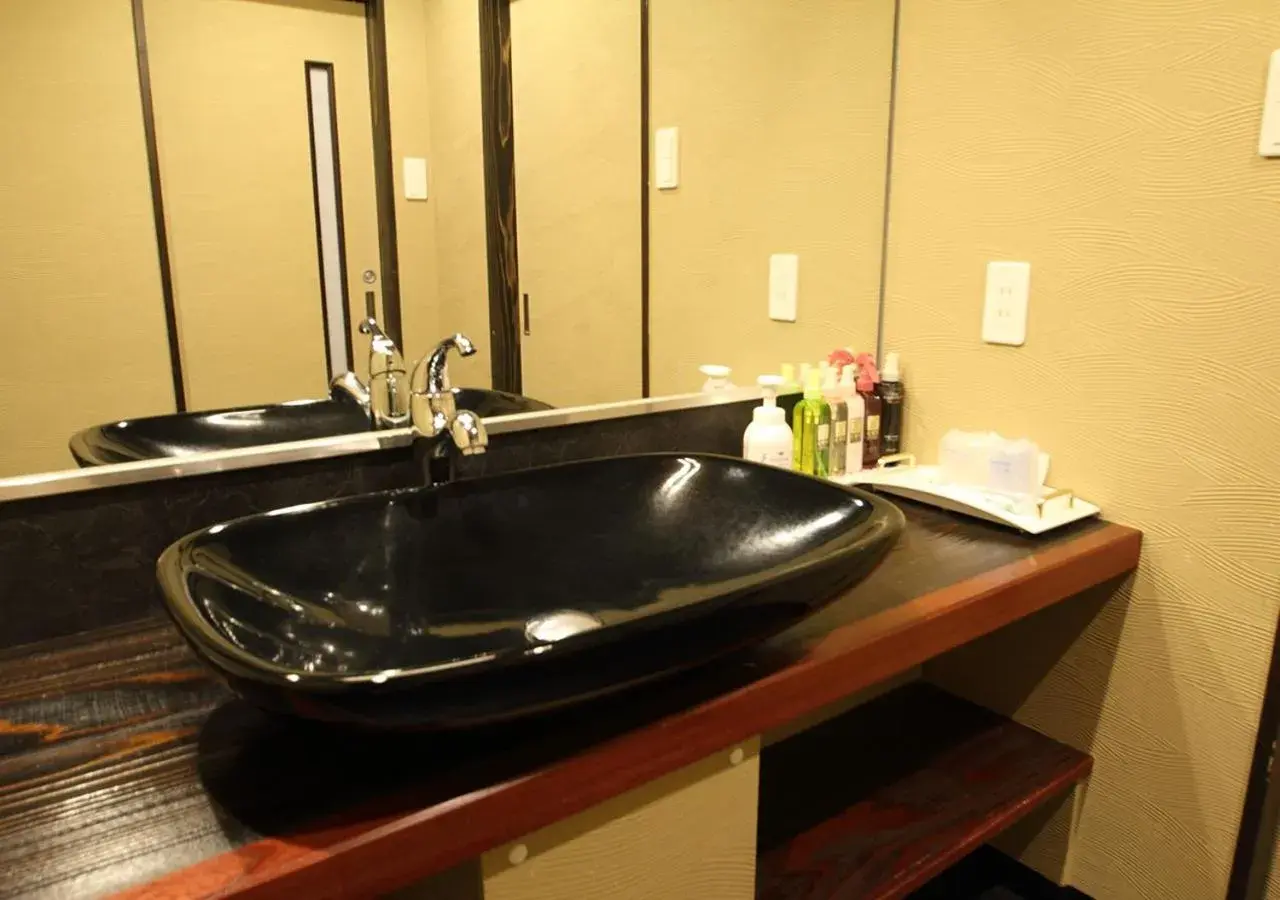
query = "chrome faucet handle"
{"x": 384, "y": 355}
{"x": 388, "y": 378}
{"x": 468, "y": 433}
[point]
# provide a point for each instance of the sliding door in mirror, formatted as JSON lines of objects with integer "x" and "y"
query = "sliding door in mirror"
{"x": 263, "y": 127}
{"x": 82, "y": 322}
{"x": 576, "y": 84}
{"x": 782, "y": 111}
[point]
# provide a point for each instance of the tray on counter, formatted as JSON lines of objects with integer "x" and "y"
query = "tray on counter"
{"x": 901, "y": 476}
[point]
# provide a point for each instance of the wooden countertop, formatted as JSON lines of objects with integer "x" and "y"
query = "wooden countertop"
{"x": 125, "y": 765}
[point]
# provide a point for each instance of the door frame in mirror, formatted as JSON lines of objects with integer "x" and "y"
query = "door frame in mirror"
{"x": 157, "y": 203}
{"x": 384, "y": 181}
{"x": 497, "y": 137}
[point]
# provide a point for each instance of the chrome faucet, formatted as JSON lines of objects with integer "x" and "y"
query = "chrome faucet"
{"x": 386, "y": 398}
{"x": 425, "y": 400}
{"x": 388, "y": 378}
{"x": 433, "y": 406}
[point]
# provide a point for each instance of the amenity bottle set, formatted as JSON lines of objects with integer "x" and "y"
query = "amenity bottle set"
{"x": 850, "y": 416}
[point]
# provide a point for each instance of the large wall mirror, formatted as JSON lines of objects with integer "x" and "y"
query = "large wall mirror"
{"x": 203, "y": 203}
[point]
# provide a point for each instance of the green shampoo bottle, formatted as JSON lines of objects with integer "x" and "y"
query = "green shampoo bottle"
{"x": 811, "y": 429}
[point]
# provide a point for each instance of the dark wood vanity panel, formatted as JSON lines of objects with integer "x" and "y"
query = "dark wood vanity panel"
{"x": 123, "y": 761}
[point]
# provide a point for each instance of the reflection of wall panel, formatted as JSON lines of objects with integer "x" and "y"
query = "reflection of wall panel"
{"x": 783, "y": 110}
{"x": 457, "y": 172}
{"x": 576, "y": 76}
{"x": 1115, "y": 146}
{"x": 231, "y": 120}
{"x": 407, "y": 70}
{"x": 82, "y": 332}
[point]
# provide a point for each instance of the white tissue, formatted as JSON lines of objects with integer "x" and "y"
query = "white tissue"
{"x": 987, "y": 461}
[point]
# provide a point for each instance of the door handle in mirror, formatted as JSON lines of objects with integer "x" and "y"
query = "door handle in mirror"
{"x": 524, "y": 299}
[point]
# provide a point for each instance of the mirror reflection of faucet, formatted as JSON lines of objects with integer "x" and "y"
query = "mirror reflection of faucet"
{"x": 385, "y": 399}
{"x": 434, "y": 410}
{"x": 426, "y": 401}
{"x": 353, "y": 406}
{"x": 388, "y": 381}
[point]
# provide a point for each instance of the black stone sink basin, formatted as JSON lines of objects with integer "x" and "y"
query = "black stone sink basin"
{"x": 487, "y": 600}
{"x": 184, "y": 434}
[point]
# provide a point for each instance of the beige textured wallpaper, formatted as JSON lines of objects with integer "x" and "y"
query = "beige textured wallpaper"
{"x": 783, "y": 116}
{"x": 576, "y": 77}
{"x": 83, "y": 335}
{"x": 1114, "y": 146}
{"x": 457, "y": 180}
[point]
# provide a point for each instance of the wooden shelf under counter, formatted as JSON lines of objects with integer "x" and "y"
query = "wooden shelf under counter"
{"x": 875, "y": 802}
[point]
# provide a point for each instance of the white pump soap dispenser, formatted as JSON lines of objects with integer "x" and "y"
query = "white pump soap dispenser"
{"x": 768, "y": 438}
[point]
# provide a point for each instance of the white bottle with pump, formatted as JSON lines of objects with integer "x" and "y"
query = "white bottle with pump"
{"x": 857, "y": 418}
{"x": 768, "y": 438}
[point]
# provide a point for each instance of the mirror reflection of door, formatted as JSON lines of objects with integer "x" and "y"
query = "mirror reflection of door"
{"x": 244, "y": 91}
{"x": 576, "y": 76}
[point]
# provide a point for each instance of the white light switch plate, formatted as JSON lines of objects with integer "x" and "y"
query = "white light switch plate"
{"x": 1269, "y": 145}
{"x": 1004, "y": 315}
{"x": 667, "y": 158}
{"x": 784, "y": 286}
{"x": 415, "y": 178}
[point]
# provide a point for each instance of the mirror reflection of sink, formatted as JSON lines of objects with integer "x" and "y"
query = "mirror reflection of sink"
{"x": 184, "y": 434}
{"x": 495, "y": 598}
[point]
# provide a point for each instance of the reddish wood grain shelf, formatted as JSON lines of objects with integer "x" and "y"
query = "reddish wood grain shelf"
{"x": 878, "y": 801}
{"x": 125, "y": 766}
